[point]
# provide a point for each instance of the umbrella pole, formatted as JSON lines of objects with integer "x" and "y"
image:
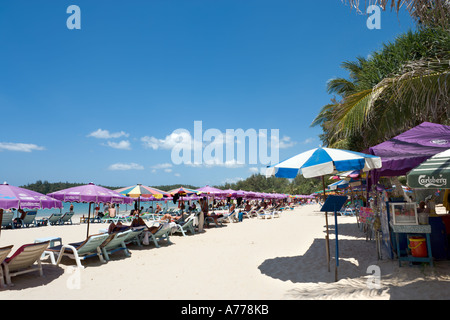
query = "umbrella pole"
{"x": 1, "y": 219}
{"x": 337, "y": 247}
{"x": 327, "y": 237}
{"x": 89, "y": 219}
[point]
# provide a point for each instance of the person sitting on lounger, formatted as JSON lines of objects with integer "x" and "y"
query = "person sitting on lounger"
{"x": 117, "y": 227}
{"x": 112, "y": 211}
{"x": 139, "y": 222}
{"x": 18, "y": 221}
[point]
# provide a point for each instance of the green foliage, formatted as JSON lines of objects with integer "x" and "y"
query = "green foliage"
{"x": 259, "y": 183}
{"x": 256, "y": 183}
{"x": 47, "y": 187}
{"x": 394, "y": 89}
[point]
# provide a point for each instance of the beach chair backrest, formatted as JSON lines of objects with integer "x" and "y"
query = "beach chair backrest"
{"x": 4, "y": 253}
{"x": 67, "y": 216}
{"x": 92, "y": 243}
{"x": 163, "y": 230}
{"x": 31, "y": 215}
{"x": 54, "y": 217}
{"x": 188, "y": 223}
{"x": 26, "y": 255}
{"x": 134, "y": 233}
{"x": 117, "y": 239}
{"x": 7, "y": 218}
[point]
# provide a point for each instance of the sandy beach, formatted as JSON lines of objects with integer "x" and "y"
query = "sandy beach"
{"x": 274, "y": 259}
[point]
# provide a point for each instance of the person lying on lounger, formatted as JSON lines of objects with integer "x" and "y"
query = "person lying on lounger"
{"x": 117, "y": 227}
{"x": 139, "y": 222}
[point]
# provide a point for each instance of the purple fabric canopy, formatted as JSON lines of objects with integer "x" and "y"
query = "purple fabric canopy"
{"x": 90, "y": 193}
{"x": 15, "y": 197}
{"x": 407, "y": 150}
{"x": 212, "y": 191}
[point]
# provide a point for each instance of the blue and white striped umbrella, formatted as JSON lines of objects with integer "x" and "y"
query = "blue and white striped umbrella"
{"x": 321, "y": 161}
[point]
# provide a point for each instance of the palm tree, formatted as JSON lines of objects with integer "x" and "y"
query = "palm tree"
{"x": 432, "y": 13}
{"x": 395, "y": 89}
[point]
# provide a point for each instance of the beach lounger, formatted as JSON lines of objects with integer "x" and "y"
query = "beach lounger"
{"x": 261, "y": 214}
{"x": 30, "y": 219}
{"x": 115, "y": 242}
{"x": 67, "y": 217}
{"x": 150, "y": 216}
{"x": 54, "y": 218}
{"x": 135, "y": 236}
{"x": 230, "y": 217}
{"x": 8, "y": 219}
{"x": 3, "y": 254}
{"x": 22, "y": 261}
{"x": 187, "y": 226}
{"x": 162, "y": 233}
{"x": 80, "y": 250}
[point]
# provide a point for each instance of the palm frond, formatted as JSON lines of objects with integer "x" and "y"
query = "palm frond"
{"x": 430, "y": 13}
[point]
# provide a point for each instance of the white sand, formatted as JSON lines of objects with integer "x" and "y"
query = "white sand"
{"x": 282, "y": 258}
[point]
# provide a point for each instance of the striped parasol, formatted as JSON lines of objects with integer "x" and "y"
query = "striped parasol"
{"x": 182, "y": 191}
{"x": 140, "y": 190}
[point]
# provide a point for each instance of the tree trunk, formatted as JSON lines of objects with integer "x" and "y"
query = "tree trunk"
{"x": 399, "y": 190}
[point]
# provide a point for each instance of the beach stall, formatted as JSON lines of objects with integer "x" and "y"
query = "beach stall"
{"x": 434, "y": 173}
{"x": 320, "y": 162}
{"x": 399, "y": 216}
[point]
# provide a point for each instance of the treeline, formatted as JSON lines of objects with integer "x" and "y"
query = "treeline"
{"x": 45, "y": 187}
{"x": 256, "y": 182}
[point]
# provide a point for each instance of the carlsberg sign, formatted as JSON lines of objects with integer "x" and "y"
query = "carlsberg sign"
{"x": 428, "y": 181}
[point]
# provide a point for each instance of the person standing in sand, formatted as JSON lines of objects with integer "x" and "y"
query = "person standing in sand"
{"x": 203, "y": 213}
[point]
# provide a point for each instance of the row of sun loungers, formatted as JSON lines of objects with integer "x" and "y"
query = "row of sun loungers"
{"x": 28, "y": 257}
{"x": 30, "y": 219}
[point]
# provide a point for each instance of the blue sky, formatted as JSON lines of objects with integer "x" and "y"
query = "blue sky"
{"x": 100, "y": 104}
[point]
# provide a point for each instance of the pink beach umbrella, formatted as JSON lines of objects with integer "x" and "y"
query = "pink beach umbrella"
{"x": 90, "y": 193}
{"x": 15, "y": 197}
{"x": 211, "y": 191}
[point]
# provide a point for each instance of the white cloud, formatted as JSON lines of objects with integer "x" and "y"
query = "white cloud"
{"x": 253, "y": 169}
{"x": 105, "y": 134}
{"x": 282, "y": 143}
{"x": 177, "y": 174}
{"x": 162, "y": 166}
{"x": 232, "y": 180}
{"x": 123, "y": 145}
{"x": 308, "y": 140}
{"x": 125, "y": 166}
{"x": 21, "y": 147}
{"x": 180, "y": 137}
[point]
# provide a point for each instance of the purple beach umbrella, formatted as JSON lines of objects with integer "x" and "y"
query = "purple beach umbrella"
{"x": 15, "y": 197}
{"x": 90, "y": 193}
